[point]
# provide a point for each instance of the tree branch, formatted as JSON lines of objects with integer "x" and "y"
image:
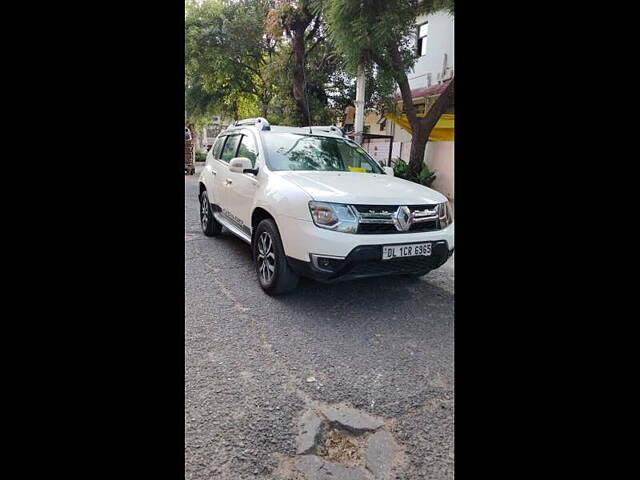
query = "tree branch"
{"x": 400, "y": 76}
{"x": 319, "y": 40}
{"x": 441, "y": 104}
{"x": 382, "y": 63}
{"x": 244, "y": 65}
{"x": 313, "y": 31}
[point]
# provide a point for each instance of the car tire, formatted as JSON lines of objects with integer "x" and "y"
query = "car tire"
{"x": 274, "y": 274}
{"x": 210, "y": 225}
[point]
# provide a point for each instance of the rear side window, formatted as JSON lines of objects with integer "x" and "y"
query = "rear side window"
{"x": 248, "y": 149}
{"x": 217, "y": 147}
{"x": 230, "y": 146}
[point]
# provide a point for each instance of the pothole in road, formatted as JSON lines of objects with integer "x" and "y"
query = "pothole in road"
{"x": 341, "y": 446}
{"x": 342, "y": 442}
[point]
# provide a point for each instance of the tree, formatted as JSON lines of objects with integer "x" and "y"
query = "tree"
{"x": 269, "y": 58}
{"x": 300, "y": 21}
{"x": 328, "y": 86}
{"x": 380, "y": 31}
{"x": 226, "y": 50}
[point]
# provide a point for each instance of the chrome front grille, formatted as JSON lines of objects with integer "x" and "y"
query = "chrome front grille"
{"x": 379, "y": 219}
{"x": 375, "y": 214}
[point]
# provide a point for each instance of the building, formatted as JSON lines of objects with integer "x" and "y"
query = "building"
{"x": 435, "y": 66}
{"x": 209, "y": 133}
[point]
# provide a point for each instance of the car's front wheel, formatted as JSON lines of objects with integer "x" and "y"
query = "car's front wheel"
{"x": 274, "y": 273}
{"x": 210, "y": 225}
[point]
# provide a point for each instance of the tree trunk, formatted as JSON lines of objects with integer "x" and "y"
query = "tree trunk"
{"x": 400, "y": 76}
{"x": 194, "y": 137}
{"x": 426, "y": 124}
{"x": 235, "y": 111}
{"x": 419, "y": 138}
{"x": 299, "y": 81}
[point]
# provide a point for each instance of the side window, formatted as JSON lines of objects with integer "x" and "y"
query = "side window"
{"x": 217, "y": 147}
{"x": 248, "y": 149}
{"x": 229, "y": 149}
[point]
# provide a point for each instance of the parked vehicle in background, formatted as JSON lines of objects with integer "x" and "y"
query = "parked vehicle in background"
{"x": 313, "y": 203}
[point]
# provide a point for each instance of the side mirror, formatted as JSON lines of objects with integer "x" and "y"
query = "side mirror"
{"x": 388, "y": 171}
{"x": 240, "y": 164}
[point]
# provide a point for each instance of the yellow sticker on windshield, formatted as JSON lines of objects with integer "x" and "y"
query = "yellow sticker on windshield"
{"x": 357, "y": 169}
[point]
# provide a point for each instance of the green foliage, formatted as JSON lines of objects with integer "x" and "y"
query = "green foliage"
{"x": 400, "y": 168}
{"x": 426, "y": 176}
{"x": 201, "y": 157}
{"x": 226, "y": 50}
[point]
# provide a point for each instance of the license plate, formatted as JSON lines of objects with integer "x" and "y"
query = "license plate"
{"x": 412, "y": 250}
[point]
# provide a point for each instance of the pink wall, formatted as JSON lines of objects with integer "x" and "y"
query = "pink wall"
{"x": 440, "y": 157}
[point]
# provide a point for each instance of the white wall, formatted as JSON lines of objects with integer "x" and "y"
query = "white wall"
{"x": 403, "y": 138}
{"x": 439, "y": 42}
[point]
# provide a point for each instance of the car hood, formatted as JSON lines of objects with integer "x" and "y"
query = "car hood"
{"x": 361, "y": 188}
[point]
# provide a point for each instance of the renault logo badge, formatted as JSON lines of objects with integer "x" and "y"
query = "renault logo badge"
{"x": 402, "y": 218}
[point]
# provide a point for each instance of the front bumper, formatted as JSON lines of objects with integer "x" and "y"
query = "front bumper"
{"x": 301, "y": 238}
{"x": 366, "y": 261}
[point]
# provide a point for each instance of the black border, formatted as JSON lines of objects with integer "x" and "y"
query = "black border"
{"x": 106, "y": 258}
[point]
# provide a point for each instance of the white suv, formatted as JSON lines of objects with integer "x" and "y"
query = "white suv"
{"x": 311, "y": 202}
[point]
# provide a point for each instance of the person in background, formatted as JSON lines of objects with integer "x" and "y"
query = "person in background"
{"x": 349, "y": 117}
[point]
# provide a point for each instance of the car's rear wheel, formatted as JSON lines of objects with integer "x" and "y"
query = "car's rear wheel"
{"x": 274, "y": 274}
{"x": 210, "y": 225}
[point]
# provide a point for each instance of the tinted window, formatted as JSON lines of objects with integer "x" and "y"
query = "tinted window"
{"x": 229, "y": 149}
{"x": 217, "y": 147}
{"x": 292, "y": 151}
{"x": 248, "y": 149}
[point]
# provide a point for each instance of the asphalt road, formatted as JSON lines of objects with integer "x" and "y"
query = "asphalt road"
{"x": 384, "y": 346}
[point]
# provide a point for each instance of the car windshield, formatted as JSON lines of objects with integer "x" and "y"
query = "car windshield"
{"x": 293, "y": 151}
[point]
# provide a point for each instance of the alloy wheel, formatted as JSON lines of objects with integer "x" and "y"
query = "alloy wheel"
{"x": 204, "y": 212}
{"x": 266, "y": 258}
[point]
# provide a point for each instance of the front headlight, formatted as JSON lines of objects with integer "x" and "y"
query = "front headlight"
{"x": 334, "y": 216}
{"x": 444, "y": 214}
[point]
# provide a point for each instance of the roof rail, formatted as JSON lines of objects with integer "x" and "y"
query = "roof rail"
{"x": 259, "y": 122}
{"x": 328, "y": 128}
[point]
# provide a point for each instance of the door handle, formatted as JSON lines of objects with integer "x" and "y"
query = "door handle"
{"x": 228, "y": 181}
{"x": 213, "y": 172}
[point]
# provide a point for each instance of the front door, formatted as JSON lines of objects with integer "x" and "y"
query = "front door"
{"x": 215, "y": 172}
{"x": 222, "y": 171}
{"x": 243, "y": 186}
